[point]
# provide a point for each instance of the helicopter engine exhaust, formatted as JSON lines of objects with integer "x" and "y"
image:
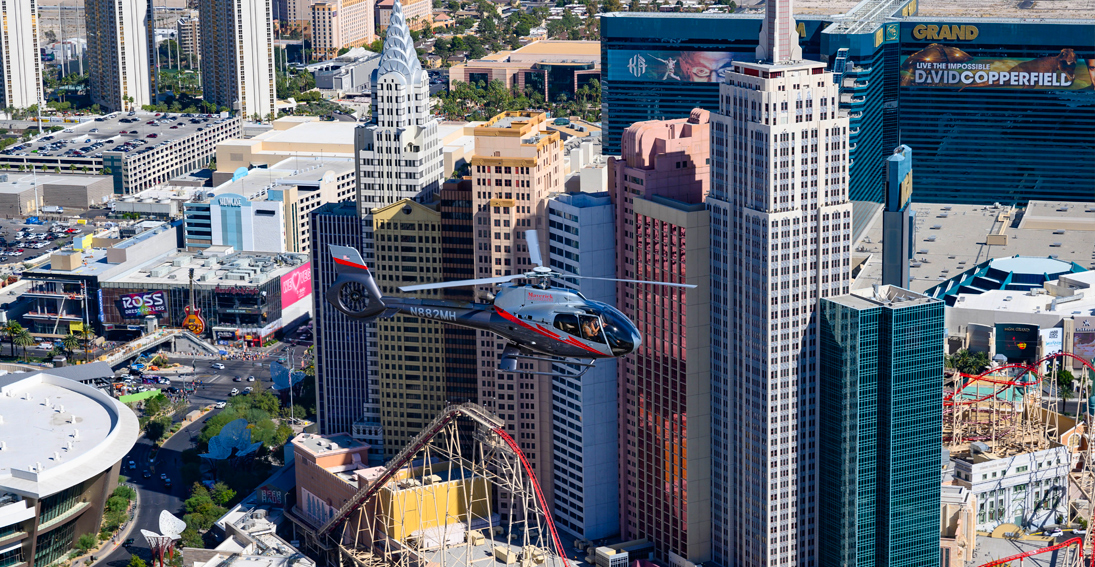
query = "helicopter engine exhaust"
{"x": 354, "y": 292}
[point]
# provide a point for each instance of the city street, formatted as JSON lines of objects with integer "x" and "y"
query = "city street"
{"x": 153, "y": 495}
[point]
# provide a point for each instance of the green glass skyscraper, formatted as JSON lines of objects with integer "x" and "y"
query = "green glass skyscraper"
{"x": 879, "y": 428}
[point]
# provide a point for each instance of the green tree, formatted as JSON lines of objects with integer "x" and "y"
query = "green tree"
{"x": 24, "y": 339}
{"x": 968, "y": 362}
{"x": 1066, "y": 384}
{"x": 11, "y": 330}
{"x": 158, "y": 427}
{"x": 221, "y": 494}
{"x": 86, "y": 543}
{"x": 191, "y": 538}
{"x": 117, "y": 504}
{"x": 135, "y": 561}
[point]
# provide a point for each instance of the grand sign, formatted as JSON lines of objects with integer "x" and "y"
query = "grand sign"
{"x": 945, "y": 32}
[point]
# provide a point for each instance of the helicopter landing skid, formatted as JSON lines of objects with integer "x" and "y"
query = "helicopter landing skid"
{"x": 508, "y": 362}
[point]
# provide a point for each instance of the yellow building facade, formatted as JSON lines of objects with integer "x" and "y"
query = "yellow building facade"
{"x": 412, "y": 350}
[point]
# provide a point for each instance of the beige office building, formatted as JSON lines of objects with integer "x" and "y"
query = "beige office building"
{"x": 517, "y": 164}
{"x": 338, "y": 24}
{"x": 412, "y": 350}
{"x": 418, "y": 14}
{"x": 118, "y": 56}
{"x": 188, "y": 30}
{"x": 237, "y": 56}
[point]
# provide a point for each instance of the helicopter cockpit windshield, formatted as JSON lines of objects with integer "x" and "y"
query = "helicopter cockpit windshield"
{"x": 587, "y": 326}
{"x": 622, "y": 335}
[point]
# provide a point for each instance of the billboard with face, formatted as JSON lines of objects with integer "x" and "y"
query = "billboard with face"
{"x": 670, "y": 66}
{"x": 1017, "y": 342}
{"x": 947, "y": 66}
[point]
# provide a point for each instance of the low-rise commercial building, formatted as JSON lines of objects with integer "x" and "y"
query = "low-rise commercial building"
{"x": 307, "y": 137}
{"x": 138, "y": 152}
{"x": 270, "y": 206}
{"x": 1026, "y": 488}
{"x": 115, "y": 286}
{"x": 60, "y": 460}
{"x": 76, "y": 192}
{"x": 957, "y": 520}
{"x": 551, "y": 68}
{"x": 346, "y": 73}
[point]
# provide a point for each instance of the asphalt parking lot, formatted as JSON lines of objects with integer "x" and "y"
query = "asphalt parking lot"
{"x": 14, "y": 249}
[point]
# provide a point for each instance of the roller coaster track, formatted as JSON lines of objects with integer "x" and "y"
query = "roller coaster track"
{"x": 1077, "y": 541}
{"x": 469, "y": 410}
{"x": 948, "y": 400}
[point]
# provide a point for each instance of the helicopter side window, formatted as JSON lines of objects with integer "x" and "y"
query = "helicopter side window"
{"x": 592, "y": 328}
{"x": 567, "y": 323}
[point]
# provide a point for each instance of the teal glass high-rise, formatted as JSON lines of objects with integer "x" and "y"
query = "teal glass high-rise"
{"x": 879, "y": 428}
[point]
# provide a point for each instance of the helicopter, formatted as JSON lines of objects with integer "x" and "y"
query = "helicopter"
{"x": 540, "y": 321}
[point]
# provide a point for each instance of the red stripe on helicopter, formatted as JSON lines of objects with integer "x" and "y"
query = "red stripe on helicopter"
{"x": 351, "y": 264}
{"x": 569, "y": 340}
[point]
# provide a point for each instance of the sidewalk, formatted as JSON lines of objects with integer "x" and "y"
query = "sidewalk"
{"x": 111, "y": 545}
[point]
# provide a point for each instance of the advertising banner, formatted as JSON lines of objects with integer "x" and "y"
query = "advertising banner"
{"x": 671, "y": 66}
{"x": 1053, "y": 339}
{"x": 946, "y": 66}
{"x": 137, "y": 305}
{"x": 296, "y": 285}
{"x": 1083, "y": 339}
{"x": 1017, "y": 342}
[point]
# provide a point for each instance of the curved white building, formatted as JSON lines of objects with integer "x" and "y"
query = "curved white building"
{"x": 61, "y": 449}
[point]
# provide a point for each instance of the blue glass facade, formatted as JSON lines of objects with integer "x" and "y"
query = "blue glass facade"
{"x": 1007, "y": 144}
{"x": 976, "y": 144}
{"x": 626, "y": 100}
{"x": 879, "y": 428}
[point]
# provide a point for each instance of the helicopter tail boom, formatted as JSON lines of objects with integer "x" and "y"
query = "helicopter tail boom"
{"x": 354, "y": 292}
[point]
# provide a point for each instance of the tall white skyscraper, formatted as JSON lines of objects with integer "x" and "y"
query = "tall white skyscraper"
{"x": 21, "y": 81}
{"x": 118, "y": 50}
{"x": 399, "y": 150}
{"x": 781, "y": 240}
{"x": 237, "y": 56}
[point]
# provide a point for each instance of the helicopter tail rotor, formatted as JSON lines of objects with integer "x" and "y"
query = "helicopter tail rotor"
{"x": 355, "y": 292}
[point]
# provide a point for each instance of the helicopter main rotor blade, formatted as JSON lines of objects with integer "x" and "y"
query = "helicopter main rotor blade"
{"x": 533, "y": 247}
{"x": 461, "y": 283}
{"x": 689, "y": 286}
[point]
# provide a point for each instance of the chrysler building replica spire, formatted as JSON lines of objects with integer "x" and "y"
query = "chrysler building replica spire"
{"x": 399, "y": 152}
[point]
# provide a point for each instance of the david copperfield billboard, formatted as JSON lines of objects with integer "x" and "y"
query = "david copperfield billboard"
{"x": 948, "y": 66}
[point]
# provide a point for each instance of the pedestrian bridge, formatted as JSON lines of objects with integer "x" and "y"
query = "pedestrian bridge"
{"x": 136, "y": 347}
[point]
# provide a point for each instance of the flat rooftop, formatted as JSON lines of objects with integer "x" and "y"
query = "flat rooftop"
{"x": 1024, "y": 302}
{"x": 559, "y": 47}
{"x": 255, "y": 184}
{"x": 109, "y": 132}
{"x": 174, "y": 268}
{"x": 887, "y": 295}
{"x": 1064, "y": 9}
{"x": 62, "y": 431}
{"x": 952, "y": 238}
{"x": 318, "y": 132}
{"x": 326, "y": 444}
{"x": 19, "y": 182}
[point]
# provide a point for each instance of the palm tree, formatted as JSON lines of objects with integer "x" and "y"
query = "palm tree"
{"x": 85, "y": 335}
{"x": 70, "y": 342}
{"x": 24, "y": 339}
{"x": 10, "y": 330}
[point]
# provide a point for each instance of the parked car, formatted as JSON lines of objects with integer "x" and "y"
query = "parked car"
{"x": 237, "y": 379}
